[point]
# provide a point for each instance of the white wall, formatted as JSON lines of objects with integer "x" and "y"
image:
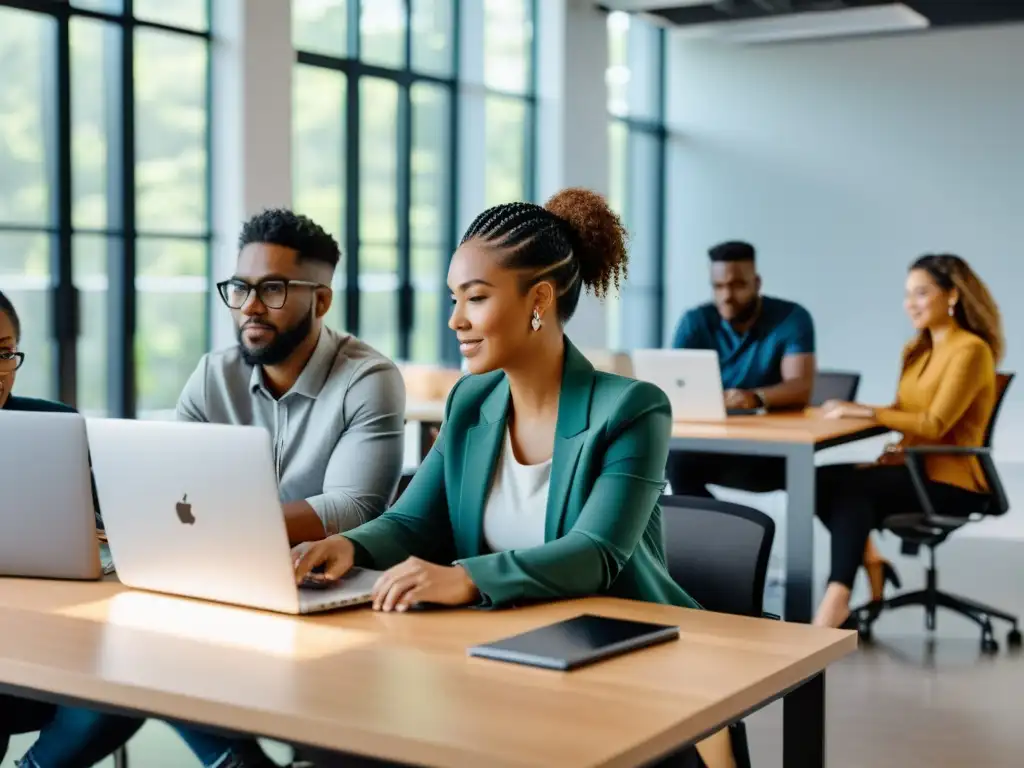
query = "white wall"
{"x": 842, "y": 161}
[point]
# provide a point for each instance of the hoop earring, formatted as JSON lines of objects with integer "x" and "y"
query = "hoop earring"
{"x": 535, "y": 321}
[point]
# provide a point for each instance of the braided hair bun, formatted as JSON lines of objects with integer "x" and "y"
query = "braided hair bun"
{"x": 597, "y": 235}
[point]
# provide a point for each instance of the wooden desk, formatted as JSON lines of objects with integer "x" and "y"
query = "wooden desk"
{"x": 795, "y": 437}
{"x": 400, "y": 688}
{"x": 425, "y": 411}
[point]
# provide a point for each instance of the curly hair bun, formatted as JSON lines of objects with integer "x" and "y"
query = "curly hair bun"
{"x": 598, "y": 237}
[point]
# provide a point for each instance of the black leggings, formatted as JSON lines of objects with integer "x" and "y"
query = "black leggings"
{"x": 853, "y": 499}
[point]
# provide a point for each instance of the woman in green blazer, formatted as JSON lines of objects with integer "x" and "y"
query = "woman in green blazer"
{"x": 545, "y": 478}
{"x": 515, "y": 279}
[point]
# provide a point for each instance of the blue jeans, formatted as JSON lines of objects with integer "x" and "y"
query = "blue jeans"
{"x": 77, "y": 737}
{"x": 215, "y": 751}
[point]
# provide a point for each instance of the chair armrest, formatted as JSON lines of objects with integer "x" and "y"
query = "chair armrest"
{"x": 947, "y": 450}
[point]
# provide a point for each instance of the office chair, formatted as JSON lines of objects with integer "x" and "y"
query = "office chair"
{"x": 718, "y": 552}
{"x": 930, "y": 527}
{"x": 834, "y": 385}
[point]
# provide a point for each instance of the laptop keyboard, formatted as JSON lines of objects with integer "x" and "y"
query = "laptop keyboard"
{"x": 355, "y": 588}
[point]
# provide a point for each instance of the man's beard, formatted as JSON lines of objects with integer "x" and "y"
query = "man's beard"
{"x": 747, "y": 312}
{"x": 281, "y": 348}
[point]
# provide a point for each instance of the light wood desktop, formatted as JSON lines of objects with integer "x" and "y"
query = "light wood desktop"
{"x": 401, "y": 688}
{"x": 805, "y": 426}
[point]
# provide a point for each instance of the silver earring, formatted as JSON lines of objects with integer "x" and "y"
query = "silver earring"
{"x": 535, "y": 322}
{"x": 952, "y": 309}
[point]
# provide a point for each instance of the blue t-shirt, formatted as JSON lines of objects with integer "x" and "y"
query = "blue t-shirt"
{"x": 754, "y": 359}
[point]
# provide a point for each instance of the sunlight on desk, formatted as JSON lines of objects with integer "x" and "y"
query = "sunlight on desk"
{"x": 222, "y": 625}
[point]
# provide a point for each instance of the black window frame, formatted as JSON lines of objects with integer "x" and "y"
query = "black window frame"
{"x": 654, "y": 127}
{"x": 405, "y": 78}
{"x": 65, "y": 322}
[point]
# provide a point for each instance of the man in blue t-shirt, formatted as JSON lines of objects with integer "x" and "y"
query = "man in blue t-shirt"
{"x": 765, "y": 350}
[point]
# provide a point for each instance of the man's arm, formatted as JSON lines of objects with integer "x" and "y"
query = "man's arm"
{"x": 366, "y": 463}
{"x": 797, "y": 383}
{"x": 685, "y": 336}
{"x": 798, "y": 364}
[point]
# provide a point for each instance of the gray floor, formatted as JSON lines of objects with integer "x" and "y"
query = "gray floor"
{"x": 901, "y": 702}
{"x": 908, "y": 701}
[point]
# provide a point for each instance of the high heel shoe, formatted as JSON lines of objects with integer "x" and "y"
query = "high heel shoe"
{"x": 881, "y": 573}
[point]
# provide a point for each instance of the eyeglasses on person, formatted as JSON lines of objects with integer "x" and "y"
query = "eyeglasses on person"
{"x": 272, "y": 293}
{"x": 11, "y": 361}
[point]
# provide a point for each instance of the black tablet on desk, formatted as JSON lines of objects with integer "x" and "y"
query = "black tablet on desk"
{"x": 576, "y": 642}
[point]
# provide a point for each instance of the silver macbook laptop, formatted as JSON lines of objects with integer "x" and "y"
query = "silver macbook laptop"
{"x": 47, "y": 517}
{"x": 193, "y": 509}
{"x": 692, "y": 380}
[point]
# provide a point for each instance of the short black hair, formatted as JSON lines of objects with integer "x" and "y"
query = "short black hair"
{"x": 8, "y": 309}
{"x": 733, "y": 250}
{"x": 279, "y": 226}
{"x": 575, "y": 240}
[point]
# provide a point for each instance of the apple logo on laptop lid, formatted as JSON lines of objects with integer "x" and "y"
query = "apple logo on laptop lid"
{"x": 184, "y": 510}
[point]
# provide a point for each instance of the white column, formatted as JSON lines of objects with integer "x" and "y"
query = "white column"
{"x": 251, "y": 125}
{"x": 572, "y": 146}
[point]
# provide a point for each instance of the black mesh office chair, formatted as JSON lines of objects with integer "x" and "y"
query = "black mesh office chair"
{"x": 718, "y": 552}
{"x": 930, "y": 527}
{"x": 834, "y": 385}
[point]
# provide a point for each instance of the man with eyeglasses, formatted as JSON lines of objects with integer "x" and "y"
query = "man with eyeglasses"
{"x": 334, "y": 406}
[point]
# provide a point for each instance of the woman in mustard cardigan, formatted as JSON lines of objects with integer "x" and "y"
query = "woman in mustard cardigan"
{"x": 946, "y": 396}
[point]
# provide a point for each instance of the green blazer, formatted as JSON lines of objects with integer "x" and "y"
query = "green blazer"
{"x": 603, "y": 526}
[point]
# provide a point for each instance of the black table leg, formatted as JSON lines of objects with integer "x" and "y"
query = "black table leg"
{"x": 803, "y": 725}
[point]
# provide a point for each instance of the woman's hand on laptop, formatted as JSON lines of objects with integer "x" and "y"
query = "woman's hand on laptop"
{"x": 333, "y": 556}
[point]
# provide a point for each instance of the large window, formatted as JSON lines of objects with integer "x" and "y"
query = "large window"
{"x": 374, "y": 123}
{"x": 635, "y": 80}
{"x": 104, "y": 210}
{"x": 373, "y": 150}
{"x": 509, "y": 100}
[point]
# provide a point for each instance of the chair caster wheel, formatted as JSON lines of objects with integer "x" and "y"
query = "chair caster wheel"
{"x": 988, "y": 639}
{"x": 1013, "y": 639}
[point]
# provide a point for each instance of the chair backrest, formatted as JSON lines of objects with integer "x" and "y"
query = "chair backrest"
{"x": 835, "y": 385}
{"x": 718, "y": 552}
{"x": 1000, "y": 503}
{"x": 1003, "y": 382}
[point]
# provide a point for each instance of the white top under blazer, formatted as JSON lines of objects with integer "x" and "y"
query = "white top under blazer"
{"x": 517, "y": 502}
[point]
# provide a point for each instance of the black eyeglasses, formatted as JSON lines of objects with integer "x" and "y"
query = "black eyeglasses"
{"x": 271, "y": 293}
{"x": 11, "y": 361}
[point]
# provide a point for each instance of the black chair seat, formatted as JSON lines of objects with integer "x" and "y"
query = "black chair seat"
{"x": 919, "y": 525}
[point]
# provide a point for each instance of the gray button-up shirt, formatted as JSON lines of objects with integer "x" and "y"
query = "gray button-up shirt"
{"x": 337, "y": 433}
